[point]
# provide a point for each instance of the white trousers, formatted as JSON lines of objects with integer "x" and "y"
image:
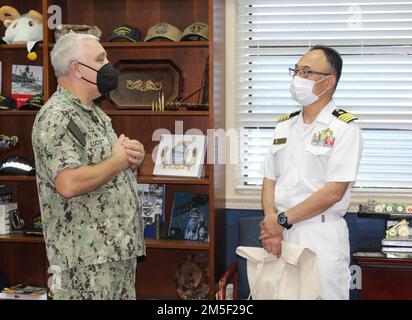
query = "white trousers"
{"x": 330, "y": 241}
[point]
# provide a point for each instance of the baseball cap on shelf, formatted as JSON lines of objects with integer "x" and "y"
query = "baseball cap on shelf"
{"x": 37, "y": 229}
{"x": 34, "y": 103}
{"x": 163, "y": 31}
{"x": 127, "y": 32}
{"x": 16, "y": 165}
{"x": 195, "y": 32}
{"x": 7, "y": 103}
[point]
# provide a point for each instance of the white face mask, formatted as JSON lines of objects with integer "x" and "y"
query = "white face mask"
{"x": 302, "y": 90}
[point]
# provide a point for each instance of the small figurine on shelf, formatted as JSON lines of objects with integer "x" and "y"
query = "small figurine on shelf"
{"x": 63, "y": 29}
{"x": 8, "y": 142}
{"x": 20, "y": 29}
{"x": 401, "y": 229}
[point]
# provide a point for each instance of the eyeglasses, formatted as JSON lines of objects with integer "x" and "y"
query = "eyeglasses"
{"x": 304, "y": 73}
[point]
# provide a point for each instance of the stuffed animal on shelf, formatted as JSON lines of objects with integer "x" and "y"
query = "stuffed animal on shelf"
{"x": 20, "y": 29}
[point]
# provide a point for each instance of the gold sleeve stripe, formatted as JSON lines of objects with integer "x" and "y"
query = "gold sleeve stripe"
{"x": 347, "y": 117}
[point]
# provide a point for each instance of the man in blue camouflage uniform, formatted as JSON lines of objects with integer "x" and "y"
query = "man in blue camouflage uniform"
{"x": 87, "y": 189}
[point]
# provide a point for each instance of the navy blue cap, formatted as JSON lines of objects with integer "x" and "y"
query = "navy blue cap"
{"x": 7, "y": 103}
{"x": 126, "y": 32}
{"x": 34, "y": 103}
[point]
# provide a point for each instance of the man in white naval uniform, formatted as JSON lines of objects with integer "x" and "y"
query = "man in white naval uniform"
{"x": 309, "y": 170}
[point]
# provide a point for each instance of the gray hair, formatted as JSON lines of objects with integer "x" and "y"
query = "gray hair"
{"x": 67, "y": 50}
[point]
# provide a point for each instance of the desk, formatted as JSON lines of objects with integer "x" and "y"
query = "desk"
{"x": 385, "y": 279}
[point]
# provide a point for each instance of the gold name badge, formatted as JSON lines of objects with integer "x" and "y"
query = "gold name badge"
{"x": 279, "y": 141}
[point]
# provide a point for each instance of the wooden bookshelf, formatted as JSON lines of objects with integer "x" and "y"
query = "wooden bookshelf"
{"x": 18, "y": 113}
{"x": 166, "y": 180}
{"x": 18, "y": 178}
{"x": 17, "y": 47}
{"x": 19, "y": 238}
{"x": 150, "y": 242}
{"x": 144, "y": 113}
{"x": 24, "y": 258}
{"x": 144, "y": 45}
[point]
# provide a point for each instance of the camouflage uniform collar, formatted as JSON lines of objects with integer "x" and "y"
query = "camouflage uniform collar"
{"x": 63, "y": 91}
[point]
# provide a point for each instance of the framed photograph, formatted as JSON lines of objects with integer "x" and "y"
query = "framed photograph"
{"x": 26, "y": 81}
{"x": 180, "y": 156}
{"x": 190, "y": 217}
{"x": 151, "y": 197}
{"x": 143, "y": 81}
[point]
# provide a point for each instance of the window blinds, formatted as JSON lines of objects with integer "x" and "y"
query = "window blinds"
{"x": 375, "y": 41}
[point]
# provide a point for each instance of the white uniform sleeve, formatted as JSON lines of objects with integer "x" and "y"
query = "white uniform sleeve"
{"x": 268, "y": 167}
{"x": 346, "y": 154}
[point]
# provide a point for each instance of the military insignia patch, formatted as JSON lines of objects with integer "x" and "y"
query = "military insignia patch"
{"x": 324, "y": 138}
{"x": 161, "y": 28}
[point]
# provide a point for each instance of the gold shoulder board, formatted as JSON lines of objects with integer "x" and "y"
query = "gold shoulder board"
{"x": 344, "y": 116}
{"x": 287, "y": 116}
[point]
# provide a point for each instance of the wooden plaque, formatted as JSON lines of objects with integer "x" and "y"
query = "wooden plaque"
{"x": 142, "y": 81}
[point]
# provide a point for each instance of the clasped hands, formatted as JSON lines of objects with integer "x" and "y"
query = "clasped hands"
{"x": 271, "y": 234}
{"x": 129, "y": 151}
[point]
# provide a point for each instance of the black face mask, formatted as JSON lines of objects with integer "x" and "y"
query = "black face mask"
{"x": 107, "y": 78}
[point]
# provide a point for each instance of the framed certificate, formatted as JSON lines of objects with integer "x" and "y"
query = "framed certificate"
{"x": 181, "y": 156}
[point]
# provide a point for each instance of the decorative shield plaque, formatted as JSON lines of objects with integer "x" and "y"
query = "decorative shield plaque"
{"x": 142, "y": 81}
{"x": 192, "y": 277}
